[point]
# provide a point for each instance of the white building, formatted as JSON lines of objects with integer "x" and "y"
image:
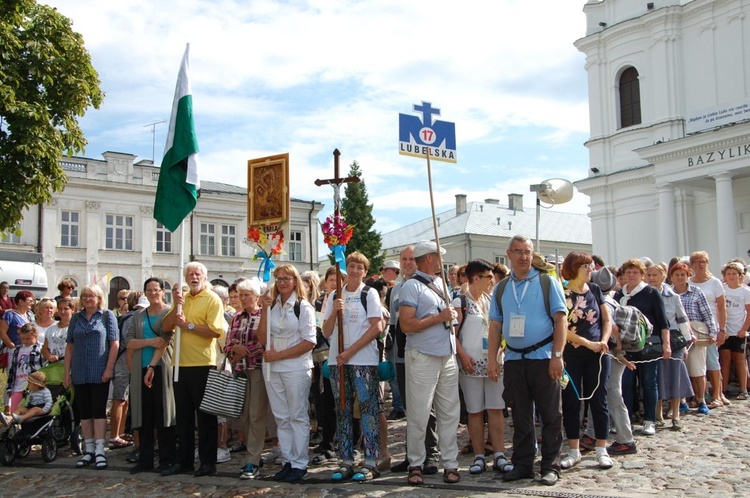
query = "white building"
{"x": 474, "y": 230}
{"x": 101, "y": 229}
{"x": 669, "y": 152}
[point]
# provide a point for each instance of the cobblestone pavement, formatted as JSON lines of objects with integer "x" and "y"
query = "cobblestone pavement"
{"x": 708, "y": 458}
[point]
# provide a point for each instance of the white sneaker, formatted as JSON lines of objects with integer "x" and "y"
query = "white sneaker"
{"x": 5, "y": 420}
{"x": 649, "y": 429}
{"x": 223, "y": 455}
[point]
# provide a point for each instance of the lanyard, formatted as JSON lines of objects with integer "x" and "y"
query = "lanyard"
{"x": 523, "y": 294}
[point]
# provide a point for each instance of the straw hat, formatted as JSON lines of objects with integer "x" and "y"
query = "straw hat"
{"x": 37, "y": 378}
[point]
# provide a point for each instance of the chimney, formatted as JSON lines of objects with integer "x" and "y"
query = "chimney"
{"x": 492, "y": 201}
{"x": 460, "y": 204}
{"x": 515, "y": 202}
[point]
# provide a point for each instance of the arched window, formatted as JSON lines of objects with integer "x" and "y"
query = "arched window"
{"x": 630, "y": 98}
{"x": 116, "y": 285}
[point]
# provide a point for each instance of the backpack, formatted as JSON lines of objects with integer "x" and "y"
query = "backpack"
{"x": 544, "y": 280}
{"x": 633, "y": 324}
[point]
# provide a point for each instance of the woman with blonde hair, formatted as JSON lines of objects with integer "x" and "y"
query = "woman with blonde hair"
{"x": 714, "y": 291}
{"x": 44, "y": 317}
{"x": 290, "y": 319}
{"x": 732, "y": 352}
{"x": 93, "y": 341}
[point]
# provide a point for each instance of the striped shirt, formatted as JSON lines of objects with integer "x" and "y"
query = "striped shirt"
{"x": 243, "y": 330}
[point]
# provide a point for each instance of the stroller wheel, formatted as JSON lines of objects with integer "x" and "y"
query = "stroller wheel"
{"x": 8, "y": 452}
{"x": 49, "y": 449}
{"x": 23, "y": 449}
{"x": 59, "y": 431}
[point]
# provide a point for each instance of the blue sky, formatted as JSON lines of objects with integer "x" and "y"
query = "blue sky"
{"x": 306, "y": 77}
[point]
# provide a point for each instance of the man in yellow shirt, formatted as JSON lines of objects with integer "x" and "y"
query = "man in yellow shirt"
{"x": 201, "y": 323}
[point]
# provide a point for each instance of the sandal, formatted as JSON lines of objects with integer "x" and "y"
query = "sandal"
{"x": 713, "y": 405}
{"x": 366, "y": 474}
{"x": 742, "y": 396}
{"x": 569, "y": 461}
{"x": 604, "y": 461}
{"x": 450, "y": 476}
{"x": 467, "y": 449}
{"x": 117, "y": 443}
{"x": 126, "y": 437}
{"x": 85, "y": 460}
{"x": 324, "y": 457}
{"x": 502, "y": 464}
{"x": 415, "y": 476}
{"x": 101, "y": 462}
{"x": 478, "y": 466}
{"x": 343, "y": 474}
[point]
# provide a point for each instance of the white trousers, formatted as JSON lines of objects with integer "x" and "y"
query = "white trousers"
{"x": 432, "y": 381}
{"x": 287, "y": 395}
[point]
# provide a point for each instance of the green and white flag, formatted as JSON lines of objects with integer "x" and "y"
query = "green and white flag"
{"x": 177, "y": 192}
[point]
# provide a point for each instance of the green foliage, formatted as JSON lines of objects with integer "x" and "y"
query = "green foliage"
{"x": 46, "y": 83}
{"x": 356, "y": 210}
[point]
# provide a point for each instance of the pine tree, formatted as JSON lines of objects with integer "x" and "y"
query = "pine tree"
{"x": 357, "y": 211}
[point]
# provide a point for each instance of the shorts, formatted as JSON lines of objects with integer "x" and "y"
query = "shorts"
{"x": 121, "y": 379}
{"x": 712, "y": 358}
{"x": 481, "y": 393}
{"x": 696, "y": 360}
{"x": 734, "y": 344}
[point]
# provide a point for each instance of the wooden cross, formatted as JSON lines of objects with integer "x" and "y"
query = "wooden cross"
{"x": 336, "y": 182}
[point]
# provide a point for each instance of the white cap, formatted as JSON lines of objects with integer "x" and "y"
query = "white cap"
{"x": 424, "y": 247}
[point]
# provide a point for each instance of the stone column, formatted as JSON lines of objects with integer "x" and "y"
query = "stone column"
{"x": 726, "y": 217}
{"x": 667, "y": 222}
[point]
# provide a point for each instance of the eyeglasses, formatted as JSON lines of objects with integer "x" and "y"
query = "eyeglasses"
{"x": 153, "y": 291}
{"x": 284, "y": 279}
{"x": 69, "y": 287}
{"x": 519, "y": 252}
{"x": 88, "y": 296}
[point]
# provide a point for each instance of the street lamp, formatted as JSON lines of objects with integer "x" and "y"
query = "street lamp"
{"x": 552, "y": 191}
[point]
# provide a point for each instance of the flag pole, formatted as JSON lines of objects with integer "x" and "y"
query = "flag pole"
{"x": 437, "y": 238}
{"x": 181, "y": 269}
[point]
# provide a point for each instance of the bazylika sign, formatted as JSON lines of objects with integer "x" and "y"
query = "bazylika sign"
{"x": 417, "y": 137}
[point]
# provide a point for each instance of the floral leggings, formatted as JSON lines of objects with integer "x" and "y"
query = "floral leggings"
{"x": 364, "y": 380}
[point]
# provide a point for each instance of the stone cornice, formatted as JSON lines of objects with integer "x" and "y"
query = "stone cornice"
{"x": 622, "y": 178}
{"x": 677, "y": 148}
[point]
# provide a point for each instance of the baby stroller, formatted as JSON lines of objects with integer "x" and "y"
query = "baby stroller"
{"x": 49, "y": 431}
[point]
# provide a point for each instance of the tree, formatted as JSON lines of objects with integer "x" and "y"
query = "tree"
{"x": 46, "y": 83}
{"x": 356, "y": 210}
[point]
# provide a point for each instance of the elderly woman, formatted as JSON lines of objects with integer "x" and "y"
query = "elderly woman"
{"x": 245, "y": 353}
{"x": 714, "y": 291}
{"x": 13, "y": 320}
{"x": 704, "y": 328}
{"x": 636, "y": 292}
{"x": 291, "y": 322}
{"x": 44, "y": 317}
{"x": 674, "y": 382}
{"x": 359, "y": 357}
{"x": 586, "y": 359}
{"x": 93, "y": 341}
{"x": 480, "y": 392}
{"x": 732, "y": 352}
{"x": 149, "y": 358}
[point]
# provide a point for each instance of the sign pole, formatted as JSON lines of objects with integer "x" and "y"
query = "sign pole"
{"x": 437, "y": 237}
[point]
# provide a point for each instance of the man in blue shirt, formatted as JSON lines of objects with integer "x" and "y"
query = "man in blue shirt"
{"x": 535, "y": 340}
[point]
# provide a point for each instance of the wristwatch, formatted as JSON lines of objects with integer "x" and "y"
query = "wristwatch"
{"x": 191, "y": 326}
{"x": 557, "y": 354}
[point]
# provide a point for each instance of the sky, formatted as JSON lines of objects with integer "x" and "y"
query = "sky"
{"x": 310, "y": 76}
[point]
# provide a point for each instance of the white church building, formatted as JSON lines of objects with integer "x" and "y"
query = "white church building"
{"x": 669, "y": 151}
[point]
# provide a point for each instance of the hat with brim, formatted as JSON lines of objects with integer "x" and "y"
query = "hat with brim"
{"x": 424, "y": 247}
{"x": 604, "y": 279}
{"x": 540, "y": 263}
{"x": 392, "y": 265}
{"x": 37, "y": 378}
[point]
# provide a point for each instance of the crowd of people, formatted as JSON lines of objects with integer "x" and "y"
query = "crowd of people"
{"x": 542, "y": 343}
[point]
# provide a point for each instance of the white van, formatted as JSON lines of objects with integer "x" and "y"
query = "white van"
{"x": 22, "y": 275}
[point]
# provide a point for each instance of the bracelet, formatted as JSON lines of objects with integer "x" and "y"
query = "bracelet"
{"x": 151, "y": 367}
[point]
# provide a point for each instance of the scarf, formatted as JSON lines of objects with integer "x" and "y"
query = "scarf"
{"x": 627, "y": 295}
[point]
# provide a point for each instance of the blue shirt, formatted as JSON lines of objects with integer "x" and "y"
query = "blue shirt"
{"x": 538, "y": 325}
{"x": 91, "y": 340}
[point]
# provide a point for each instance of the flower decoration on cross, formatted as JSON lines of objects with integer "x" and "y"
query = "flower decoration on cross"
{"x": 266, "y": 247}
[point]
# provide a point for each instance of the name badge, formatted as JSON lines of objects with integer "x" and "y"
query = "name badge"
{"x": 517, "y": 323}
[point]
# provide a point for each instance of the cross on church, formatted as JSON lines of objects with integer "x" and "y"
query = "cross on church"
{"x": 336, "y": 182}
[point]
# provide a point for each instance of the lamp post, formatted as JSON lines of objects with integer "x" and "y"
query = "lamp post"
{"x": 552, "y": 191}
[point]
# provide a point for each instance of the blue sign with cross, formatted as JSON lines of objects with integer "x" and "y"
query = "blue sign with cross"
{"x": 418, "y": 137}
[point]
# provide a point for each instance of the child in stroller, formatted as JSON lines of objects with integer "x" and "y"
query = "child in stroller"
{"x": 40, "y": 420}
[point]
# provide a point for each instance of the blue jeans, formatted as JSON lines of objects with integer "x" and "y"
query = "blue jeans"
{"x": 649, "y": 373}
